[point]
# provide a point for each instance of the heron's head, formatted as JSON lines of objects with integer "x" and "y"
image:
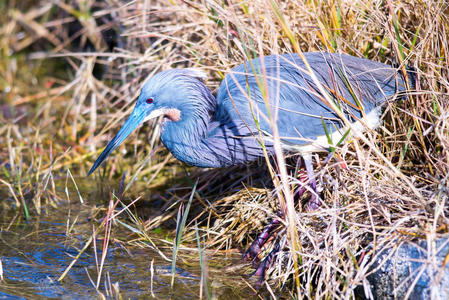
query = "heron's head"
{"x": 173, "y": 94}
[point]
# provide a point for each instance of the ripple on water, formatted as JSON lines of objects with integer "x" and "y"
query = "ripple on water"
{"x": 35, "y": 254}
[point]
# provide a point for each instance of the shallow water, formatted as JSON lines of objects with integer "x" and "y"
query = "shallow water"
{"x": 36, "y": 252}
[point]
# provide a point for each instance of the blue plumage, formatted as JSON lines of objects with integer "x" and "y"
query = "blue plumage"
{"x": 205, "y": 131}
{"x": 294, "y": 94}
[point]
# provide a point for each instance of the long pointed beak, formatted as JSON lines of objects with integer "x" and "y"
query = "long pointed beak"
{"x": 131, "y": 123}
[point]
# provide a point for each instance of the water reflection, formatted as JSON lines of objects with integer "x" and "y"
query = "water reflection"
{"x": 35, "y": 253}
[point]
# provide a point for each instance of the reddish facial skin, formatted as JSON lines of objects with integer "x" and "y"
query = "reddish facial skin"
{"x": 173, "y": 114}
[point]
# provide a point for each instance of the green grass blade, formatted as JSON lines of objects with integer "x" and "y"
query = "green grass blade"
{"x": 180, "y": 225}
{"x": 207, "y": 287}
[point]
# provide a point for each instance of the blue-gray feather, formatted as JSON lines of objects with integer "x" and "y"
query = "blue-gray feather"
{"x": 226, "y": 130}
{"x": 300, "y": 111}
{"x": 232, "y": 133}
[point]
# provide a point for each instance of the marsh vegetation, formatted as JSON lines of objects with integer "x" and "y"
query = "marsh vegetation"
{"x": 70, "y": 72}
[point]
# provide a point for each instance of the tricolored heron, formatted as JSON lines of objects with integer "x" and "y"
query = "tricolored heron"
{"x": 206, "y": 131}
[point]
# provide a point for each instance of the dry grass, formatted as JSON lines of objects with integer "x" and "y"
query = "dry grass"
{"x": 396, "y": 184}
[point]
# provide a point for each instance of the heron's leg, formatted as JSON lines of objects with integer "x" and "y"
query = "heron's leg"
{"x": 301, "y": 189}
{"x": 265, "y": 264}
{"x": 329, "y": 156}
{"x": 258, "y": 243}
{"x": 314, "y": 201}
{"x": 261, "y": 239}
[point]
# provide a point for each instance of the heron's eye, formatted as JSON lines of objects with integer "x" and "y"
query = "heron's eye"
{"x": 149, "y": 100}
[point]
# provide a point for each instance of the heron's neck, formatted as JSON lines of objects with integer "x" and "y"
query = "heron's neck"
{"x": 187, "y": 138}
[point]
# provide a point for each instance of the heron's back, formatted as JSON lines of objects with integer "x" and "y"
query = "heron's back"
{"x": 357, "y": 86}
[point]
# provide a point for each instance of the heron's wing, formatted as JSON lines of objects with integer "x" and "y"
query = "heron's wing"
{"x": 233, "y": 142}
{"x": 356, "y": 86}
